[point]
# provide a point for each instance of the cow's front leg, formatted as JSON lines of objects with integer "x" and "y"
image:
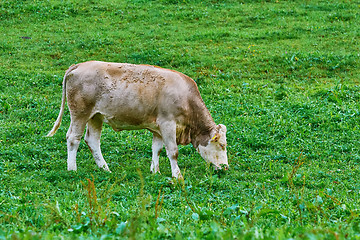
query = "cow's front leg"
{"x": 168, "y": 132}
{"x": 157, "y": 146}
{"x": 172, "y": 153}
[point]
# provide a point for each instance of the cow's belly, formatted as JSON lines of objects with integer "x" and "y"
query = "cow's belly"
{"x": 127, "y": 123}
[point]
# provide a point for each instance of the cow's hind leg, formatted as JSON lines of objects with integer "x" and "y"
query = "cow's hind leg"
{"x": 73, "y": 136}
{"x": 168, "y": 133}
{"x": 157, "y": 145}
{"x": 92, "y": 139}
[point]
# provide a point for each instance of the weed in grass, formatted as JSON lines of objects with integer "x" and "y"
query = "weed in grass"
{"x": 97, "y": 211}
{"x": 159, "y": 204}
{"x": 298, "y": 199}
{"x": 56, "y": 218}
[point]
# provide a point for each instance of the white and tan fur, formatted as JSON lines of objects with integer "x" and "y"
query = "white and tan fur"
{"x": 130, "y": 97}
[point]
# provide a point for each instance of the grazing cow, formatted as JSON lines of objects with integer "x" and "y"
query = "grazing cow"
{"x": 130, "y": 97}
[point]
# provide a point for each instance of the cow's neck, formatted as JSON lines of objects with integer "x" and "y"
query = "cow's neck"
{"x": 202, "y": 125}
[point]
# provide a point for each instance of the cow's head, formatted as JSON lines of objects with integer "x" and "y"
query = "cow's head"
{"x": 215, "y": 150}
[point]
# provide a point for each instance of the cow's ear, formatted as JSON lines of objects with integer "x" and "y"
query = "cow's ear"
{"x": 215, "y": 138}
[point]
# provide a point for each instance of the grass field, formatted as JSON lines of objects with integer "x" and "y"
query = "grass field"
{"x": 283, "y": 76}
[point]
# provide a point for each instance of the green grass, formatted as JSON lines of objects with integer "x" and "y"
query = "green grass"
{"x": 283, "y": 76}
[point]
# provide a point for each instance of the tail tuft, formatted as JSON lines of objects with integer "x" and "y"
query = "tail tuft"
{"x": 56, "y": 124}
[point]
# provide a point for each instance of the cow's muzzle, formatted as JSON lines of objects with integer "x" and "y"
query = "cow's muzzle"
{"x": 225, "y": 167}
{"x": 221, "y": 167}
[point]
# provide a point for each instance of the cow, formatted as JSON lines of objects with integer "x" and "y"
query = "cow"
{"x": 130, "y": 97}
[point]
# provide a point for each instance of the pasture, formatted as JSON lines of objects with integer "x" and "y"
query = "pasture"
{"x": 283, "y": 76}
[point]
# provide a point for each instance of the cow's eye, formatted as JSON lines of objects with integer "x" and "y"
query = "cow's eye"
{"x": 222, "y": 145}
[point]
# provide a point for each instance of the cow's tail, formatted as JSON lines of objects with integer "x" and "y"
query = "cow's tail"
{"x": 63, "y": 101}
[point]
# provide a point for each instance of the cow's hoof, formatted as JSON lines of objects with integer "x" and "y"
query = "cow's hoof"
{"x": 106, "y": 169}
{"x": 155, "y": 172}
{"x": 179, "y": 181}
{"x": 178, "y": 176}
{"x": 154, "y": 169}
